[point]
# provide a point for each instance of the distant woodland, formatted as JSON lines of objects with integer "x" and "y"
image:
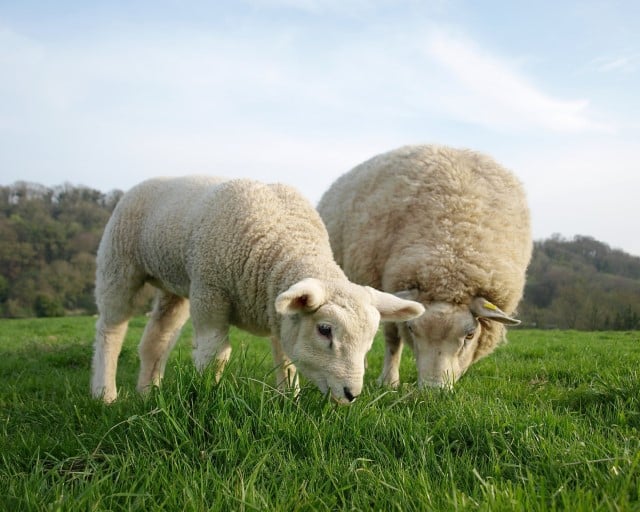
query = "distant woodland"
{"x": 49, "y": 238}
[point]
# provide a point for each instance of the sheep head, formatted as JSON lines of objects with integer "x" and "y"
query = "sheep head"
{"x": 328, "y": 327}
{"x": 447, "y": 339}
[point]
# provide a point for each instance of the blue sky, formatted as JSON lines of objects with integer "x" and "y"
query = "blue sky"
{"x": 106, "y": 94}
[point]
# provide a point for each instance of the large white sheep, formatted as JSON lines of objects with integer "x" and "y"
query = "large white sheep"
{"x": 238, "y": 253}
{"x": 446, "y": 227}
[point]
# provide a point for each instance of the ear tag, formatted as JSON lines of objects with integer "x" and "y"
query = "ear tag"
{"x": 488, "y": 305}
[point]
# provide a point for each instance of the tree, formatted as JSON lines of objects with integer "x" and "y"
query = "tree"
{"x": 49, "y": 240}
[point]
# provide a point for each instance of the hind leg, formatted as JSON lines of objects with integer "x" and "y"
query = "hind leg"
{"x": 169, "y": 314}
{"x": 114, "y": 298}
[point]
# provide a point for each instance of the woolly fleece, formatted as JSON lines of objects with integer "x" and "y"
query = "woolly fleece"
{"x": 451, "y": 224}
{"x": 235, "y": 249}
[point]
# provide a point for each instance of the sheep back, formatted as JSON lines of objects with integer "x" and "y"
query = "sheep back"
{"x": 239, "y": 240}
{"x": 450, "y": 223}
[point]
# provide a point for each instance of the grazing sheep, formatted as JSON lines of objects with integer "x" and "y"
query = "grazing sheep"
{"x": 446, "y": 227}
{"x": 238, "y": 253}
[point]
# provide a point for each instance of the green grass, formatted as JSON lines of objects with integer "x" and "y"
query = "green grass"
{"x": 550, "y": 421}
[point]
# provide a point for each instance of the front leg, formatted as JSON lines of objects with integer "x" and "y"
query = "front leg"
{"x": 211, "y": 336}
{"x": 390, "y": 375}
{"x": 170, "y": 312}
{"x": 286, "y": 373}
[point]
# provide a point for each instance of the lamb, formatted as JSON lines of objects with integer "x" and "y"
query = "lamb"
{"x": 447, "y": 227}
{"x": 233, "y": 252}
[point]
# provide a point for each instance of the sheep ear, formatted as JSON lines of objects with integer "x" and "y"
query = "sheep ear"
{"x": 393, "y": 308}
{"x": 407, "y": 294}
{"x": 304, "y": 296}
{"x": 482, "y": 308}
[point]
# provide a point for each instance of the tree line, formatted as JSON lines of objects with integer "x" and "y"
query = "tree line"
{"x": 49, "y": 238}
{"x": 581, "y": 284}
{"x": 49, "y": 241}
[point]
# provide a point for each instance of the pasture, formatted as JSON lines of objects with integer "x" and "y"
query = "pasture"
{"x": 550, "y": 421}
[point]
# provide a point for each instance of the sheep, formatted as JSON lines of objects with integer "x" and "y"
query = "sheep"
{"x": 233, "y": 252}
{"x": 446, "y": 227}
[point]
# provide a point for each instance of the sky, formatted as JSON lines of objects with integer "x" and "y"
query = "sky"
{"x": 105, "y": 94}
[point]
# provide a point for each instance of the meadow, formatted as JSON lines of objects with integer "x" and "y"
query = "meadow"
{"x": 550, "y": 421}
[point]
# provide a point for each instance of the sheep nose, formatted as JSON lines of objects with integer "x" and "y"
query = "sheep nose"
{"x": 348, "y": 395}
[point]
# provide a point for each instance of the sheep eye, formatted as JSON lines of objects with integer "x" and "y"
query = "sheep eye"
{"x": 469, "y": 336}
{"x": 325, "y": 330}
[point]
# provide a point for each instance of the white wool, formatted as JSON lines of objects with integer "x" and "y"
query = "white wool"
{"x": 444, "y": 226}
{"x": 226, "y": 252}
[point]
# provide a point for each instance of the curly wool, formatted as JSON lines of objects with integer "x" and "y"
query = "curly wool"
{"x": 208, "y": 224}
{"x": 240, "y": 253}
{"x": 450, "y": 223}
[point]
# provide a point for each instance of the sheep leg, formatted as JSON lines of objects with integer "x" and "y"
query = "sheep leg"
{"x": 390, "y": 375}
{"x": 286, "y": 373}
{"x": 169, "y": 314}
{"x": 211, "y": 338}
{"x": 110, "y": 333}
{"x": 115, "y": 291}
{"x": 107, "y": 346}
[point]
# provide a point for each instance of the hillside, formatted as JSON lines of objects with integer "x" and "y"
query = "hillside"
{"x": 50, "y": 237}
{"x": 49, "y": 240}
{"x": 582, "y": 284}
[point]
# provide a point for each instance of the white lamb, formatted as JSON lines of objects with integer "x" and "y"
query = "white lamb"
{"x": 238, "y": 253}
{"x": 446, "y": 227}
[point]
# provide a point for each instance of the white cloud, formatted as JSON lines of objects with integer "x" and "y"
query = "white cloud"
{"x": 489, "y": 90}
{"x": 362, "y": 76}
{"x": 279, "y": 103}
{"x": 624, "y": 63}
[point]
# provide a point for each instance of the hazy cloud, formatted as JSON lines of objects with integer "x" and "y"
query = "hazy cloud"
{"x": 490, "y": 90}
{"x": 301, "y": 91}
{"x": 624, "y": 63}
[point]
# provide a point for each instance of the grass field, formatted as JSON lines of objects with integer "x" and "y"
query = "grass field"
{"x": 550, "y": 421}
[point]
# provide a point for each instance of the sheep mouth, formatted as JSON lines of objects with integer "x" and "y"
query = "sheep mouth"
{"x": 343, "y": 395}
{"x": 341, "y": 398}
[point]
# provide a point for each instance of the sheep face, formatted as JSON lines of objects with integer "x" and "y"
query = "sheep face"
{"x": 328, "y": 327}
{"x": 445, "y": 339}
